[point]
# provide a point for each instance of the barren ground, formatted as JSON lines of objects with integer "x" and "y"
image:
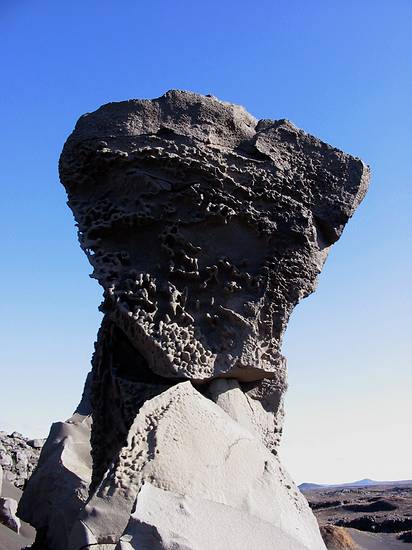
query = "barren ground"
{"x": 377, "y": 517}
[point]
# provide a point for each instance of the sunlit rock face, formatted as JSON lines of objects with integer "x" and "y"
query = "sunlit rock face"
{"x": 205, "y": 227}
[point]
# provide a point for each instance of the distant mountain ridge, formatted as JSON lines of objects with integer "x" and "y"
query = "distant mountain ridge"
{"x": 360, "y": 483}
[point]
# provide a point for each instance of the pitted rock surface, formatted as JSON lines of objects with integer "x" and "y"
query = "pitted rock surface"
{"x": 205, "y": 227}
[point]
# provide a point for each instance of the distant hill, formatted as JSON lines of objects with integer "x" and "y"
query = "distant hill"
{"x": 360, "y": 483}
{"x": 364, "y": 483}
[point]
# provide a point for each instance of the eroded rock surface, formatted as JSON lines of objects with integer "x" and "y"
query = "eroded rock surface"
{"x": 59, "y": 486}
{"x": 205, "y": 227}
{"x": 8, "y": 510}
{"x": 18, "y": 457}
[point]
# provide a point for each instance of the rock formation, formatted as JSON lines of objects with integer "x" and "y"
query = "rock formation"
{"x": 14, "y": 534}
{"x": 8, "y": 509}
{"x": 18, "y": 457}
{"x": 205, "y": 227}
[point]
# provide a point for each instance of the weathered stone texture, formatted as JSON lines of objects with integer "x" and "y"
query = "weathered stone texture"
{"x": 205, "y": 227}
{"x": 18, "y": 457}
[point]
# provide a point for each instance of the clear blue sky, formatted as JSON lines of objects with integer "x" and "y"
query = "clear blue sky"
{"x": 341, "y": 70}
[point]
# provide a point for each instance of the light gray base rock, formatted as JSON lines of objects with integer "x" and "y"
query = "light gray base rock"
{"x": 202, "y": 524}
{"x": 8, "y": 517}
{"x": 189, "y": 469}
{"x": 59, "y": 487}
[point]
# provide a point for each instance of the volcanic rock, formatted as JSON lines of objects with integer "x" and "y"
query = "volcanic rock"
{"x": 205, "y": 227}
{"x": 406, "y": 536}
{"x": 60, "y": 483}
{"x": 18, "y": 458}
{"x": 8, "y": 509}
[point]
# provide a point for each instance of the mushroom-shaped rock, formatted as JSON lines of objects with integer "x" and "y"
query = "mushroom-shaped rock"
{"x": 204, "y": 227}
